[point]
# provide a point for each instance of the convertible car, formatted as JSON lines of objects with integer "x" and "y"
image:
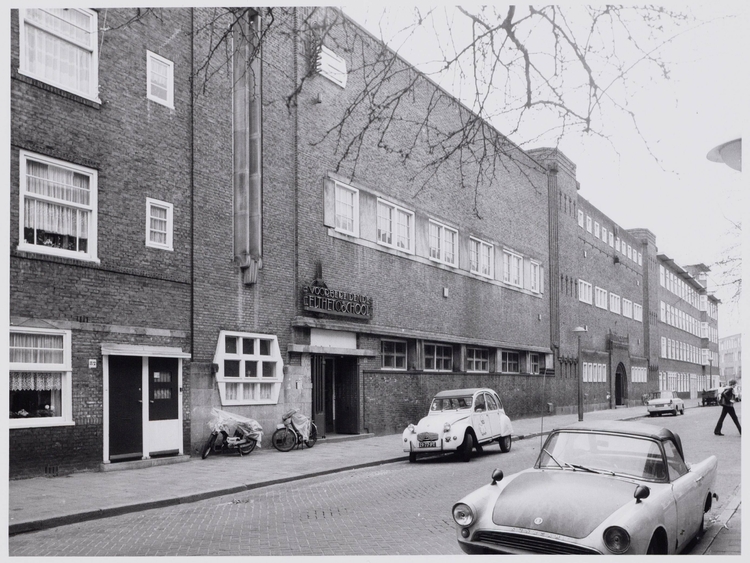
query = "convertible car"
{"x": 605, "y": 488}
{"x": 459, "y": 420}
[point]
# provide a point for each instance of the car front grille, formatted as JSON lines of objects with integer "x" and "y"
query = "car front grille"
{"x": 532, "y": 544}
{"x": 427, "y": 436}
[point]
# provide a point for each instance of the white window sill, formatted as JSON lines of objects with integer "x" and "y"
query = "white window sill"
{"x": 37, "y": 422}
{"x": 49, "y": 251}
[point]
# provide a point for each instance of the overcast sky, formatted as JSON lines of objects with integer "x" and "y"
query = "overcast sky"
{"x": 687, "y": 201}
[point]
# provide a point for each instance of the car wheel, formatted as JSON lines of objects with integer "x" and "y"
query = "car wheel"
{"x": 505, "y": 443}
{"x": 682, "y": 410}
{"x": 674, "y": 413}
{"x": 467, "y": 447}
{"x": 412, "y": 457}
{"x": 652, "y": 414}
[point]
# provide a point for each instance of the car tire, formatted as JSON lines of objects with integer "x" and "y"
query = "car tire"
{"x": 674, "y": 413}
{"x": 412, "y": 457}
{"x": 505, "y": 443}
{"x": 682, "y": 410}
{"x": 466, "y": 447}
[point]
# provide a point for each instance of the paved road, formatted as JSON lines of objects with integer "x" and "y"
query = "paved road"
{"x": 398, "y": 509}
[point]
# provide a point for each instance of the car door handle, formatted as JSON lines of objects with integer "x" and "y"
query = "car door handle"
{"x": 699, "y": 479}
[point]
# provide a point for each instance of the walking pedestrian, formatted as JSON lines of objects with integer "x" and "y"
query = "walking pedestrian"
{"x": 726, "y": 400}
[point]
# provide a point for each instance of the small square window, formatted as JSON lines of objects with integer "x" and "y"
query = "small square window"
{"x": 159, "y": 224}
{"x": 160, "y": 73}
{"x": 509, "y": 362}
{"x": 392, "y": 354}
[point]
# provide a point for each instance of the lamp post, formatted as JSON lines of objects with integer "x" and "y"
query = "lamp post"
{"x": 580, "y": 330}
{"x": 710, "y": 372}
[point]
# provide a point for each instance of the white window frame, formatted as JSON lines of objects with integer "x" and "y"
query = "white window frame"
{"x": 91, "y": 208}
{"x": 152, "y": 58}
{"x": 663, "y": 346}
{"x": 442, "y": 356}
{"x": 627, "y": 308}
{"x": 596, "y": 229}
{"x": 604, "y": 234}
{"x": 600, "y": 297}
{"x": 477, "y": 356}
{"x": 393, "y": 223}
{"x": 614, "y": 303}
{"x": 512, "y": 268}
{"x": 580, "y": 218}
{"x": 588, "y": 223}
{"x": 481, "y": 258}
{"x": 340, "y": 206}
{"x": 617, "y": 244}
{"x": 534, "y": 363}
{"x": 91, "y": 92}
{"x": 396, "y": 354}
{"x": 169, "y": 208}
{"x": 446, "y": 237}
{"x": 505, "y": 361}
{"x": 637, "y": 312}
{"x": 535, "y": 269}
{"x": 249, "y": 385}
{"x": 585, "y": 290}
{"x": 640, "y": 259}
{"x": 331, "y": 66}
{"x": 64, "y": 368}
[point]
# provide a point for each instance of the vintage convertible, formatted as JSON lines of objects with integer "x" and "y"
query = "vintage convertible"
{"x": 597, "y": 488}
{"x": 459, "y": 420}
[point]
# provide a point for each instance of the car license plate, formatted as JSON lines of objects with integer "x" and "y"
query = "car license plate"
{"x": 427, "y": 444}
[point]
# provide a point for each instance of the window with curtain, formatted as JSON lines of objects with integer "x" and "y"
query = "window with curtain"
{"x": 512, "y": 269}
{"x": 347, "y": 209}
{"x": 39, "y": 377}
{"x": 443, "y": 242}
{"x": 395, "y": 226}
{"x": 57, "y": 207}
{"x": 160, "y": 72}
{"x": 59, "y": 46}
{"x": 480, "y": 256}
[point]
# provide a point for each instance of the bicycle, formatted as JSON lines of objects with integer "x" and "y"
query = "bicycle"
{"x": 291, "y": 433}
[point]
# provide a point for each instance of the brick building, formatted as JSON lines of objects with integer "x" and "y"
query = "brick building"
{"x": 228, "y": 250}
{"x": 730, "y": 357}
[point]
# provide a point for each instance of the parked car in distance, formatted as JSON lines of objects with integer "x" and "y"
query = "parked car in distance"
{"x": 460, "y": 420}
{"x": 605, "y": 488}
{"x": 665, "y": 401}
{"x": 710, "y": 396}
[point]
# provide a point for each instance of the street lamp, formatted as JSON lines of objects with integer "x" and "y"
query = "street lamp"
{"x": 580, "y": 330}
{"x": 710, "y": 372}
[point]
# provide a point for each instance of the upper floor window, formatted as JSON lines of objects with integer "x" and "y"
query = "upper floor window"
{"x": 638, "y": 312}
{"x": 596, "y": 229}
{"x": 438, "y": 357}
{"x": 443, "y": 241}
{"x": 640, "y": 259}
{"x": 509, "y": 362}
{"x": 614, "y": 303}
{"x": 585, "y": 292}
{"x": 534, "y": 362}
{"x": 604, "y": 234}
{"x": 347, "y": 209}
{"x": 580, "y": 218}
{"x": 617, "y": 244}
{"x": 600, "y": 296}
{"x": 512, "y": 268}
{"x": 588, "y": 223}
{"x": 39, "y": 372}
{"x": 59, "y": 46}
{"x": 159, "y": 224}
{"x": 477, "y": 359}
{"x": 627, "y": 308}
{"x": 611, "y": 239}
{"x": 480, "y": 257}
{"x": 535, "y": 281}
{"x": 160, "y": 73}
{"x": 395, "y": 226}
{"x": 58, "y": 207}
{"x": 393, "y": 354}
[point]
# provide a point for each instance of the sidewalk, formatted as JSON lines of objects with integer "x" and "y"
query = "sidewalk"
{"x": 46, "y": 502}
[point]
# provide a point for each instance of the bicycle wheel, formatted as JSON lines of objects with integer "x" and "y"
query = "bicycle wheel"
{"x": 313, "y": 437}
{"x": 284, "y": 440}
{"x": 209, "y": 446}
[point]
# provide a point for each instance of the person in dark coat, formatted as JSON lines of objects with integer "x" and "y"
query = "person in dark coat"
{"x": 726, "y": 400}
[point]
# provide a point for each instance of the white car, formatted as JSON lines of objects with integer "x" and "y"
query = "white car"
{"x": 460, "y": 420}
{"x": 663, "y": 402}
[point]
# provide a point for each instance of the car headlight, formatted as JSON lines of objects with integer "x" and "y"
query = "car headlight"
{"x": 463, "y": 514}
{"x": 446, "y": 427}
{"x": 616, "y": 539}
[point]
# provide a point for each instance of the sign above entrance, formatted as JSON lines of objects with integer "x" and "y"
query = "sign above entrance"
{"x": 320, "y": 299}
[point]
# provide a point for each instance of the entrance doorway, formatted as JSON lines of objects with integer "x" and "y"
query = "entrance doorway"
{"x": 335, "y": 382}
{"x": 125, "y": 408}
{"x": 621, "y": 387}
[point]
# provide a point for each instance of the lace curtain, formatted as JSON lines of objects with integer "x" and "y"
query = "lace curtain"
{"x": 36, "y": 348}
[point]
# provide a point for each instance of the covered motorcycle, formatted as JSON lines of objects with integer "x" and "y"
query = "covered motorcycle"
{"x": 230, "y": 431}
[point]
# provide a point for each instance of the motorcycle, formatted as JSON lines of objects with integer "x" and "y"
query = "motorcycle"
{"x": 230, "y": 432}
{"x": 296, "y": 429}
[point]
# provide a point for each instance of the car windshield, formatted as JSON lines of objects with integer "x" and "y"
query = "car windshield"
{"x": 450, "y": 403}
{"x": 604, "y": 453}
{"x": 664, "y": 395}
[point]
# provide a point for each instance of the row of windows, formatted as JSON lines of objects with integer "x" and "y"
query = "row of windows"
{"x": 440, "y": 357}
{"x": 683, "y": 351}
{"x": 638, "y": 375}
{"x": 396, "y": 229}
{"x": 58, "y": 210}
{"x": 594, "y": 373}
{"x": 681, "y": 382}
{"x": 680, "y": 319}
{"x": 59, "y": 46}
{"x": 608, "y": 237}
{"x": 672, "y": 283}
{"x": 607, "y": 300}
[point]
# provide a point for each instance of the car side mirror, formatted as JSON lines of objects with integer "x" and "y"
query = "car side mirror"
{"x": 497, "y": 475}
{"x": 641, "y": 492}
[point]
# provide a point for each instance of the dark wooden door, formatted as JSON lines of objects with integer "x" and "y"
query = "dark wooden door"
{"x": 125, "y": 407}
{"x": 162, "y": 389}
